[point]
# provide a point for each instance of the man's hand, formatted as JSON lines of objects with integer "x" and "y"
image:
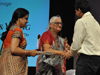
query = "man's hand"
{"x": 67, "y": 54}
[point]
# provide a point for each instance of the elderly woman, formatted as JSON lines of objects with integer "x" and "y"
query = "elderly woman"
{"x": 51, "y": 42}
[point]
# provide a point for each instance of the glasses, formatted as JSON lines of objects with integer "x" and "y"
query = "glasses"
{"x": 58, "y": 23}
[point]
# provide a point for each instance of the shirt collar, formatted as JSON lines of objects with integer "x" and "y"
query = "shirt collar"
{"x": 86, "y": 14}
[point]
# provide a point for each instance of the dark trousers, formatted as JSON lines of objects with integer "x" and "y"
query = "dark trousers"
{"x": 88, "y": 65}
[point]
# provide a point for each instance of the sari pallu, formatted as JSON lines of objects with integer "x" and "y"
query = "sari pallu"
{"x": 52, "y": 64}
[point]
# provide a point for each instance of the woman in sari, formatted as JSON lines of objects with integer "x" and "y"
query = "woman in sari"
{"x": 51, "y": 42}
{"x": 13, "y": 60}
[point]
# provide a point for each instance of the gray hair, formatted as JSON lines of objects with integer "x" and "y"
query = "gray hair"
{"x": 53, "y": 20}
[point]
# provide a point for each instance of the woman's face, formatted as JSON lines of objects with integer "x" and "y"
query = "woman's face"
{"x": 23, "y": 21}
{"x": 57, "y": 25}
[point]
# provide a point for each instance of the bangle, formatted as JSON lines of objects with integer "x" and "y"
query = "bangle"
{"x": 25, "y": 51}
{"x": 70, "y": 54}
{"x": 55, "y": 52}
{"x": 36, "y": 52}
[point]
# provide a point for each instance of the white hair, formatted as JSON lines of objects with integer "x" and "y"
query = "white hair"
{"x": 54, "y": 18}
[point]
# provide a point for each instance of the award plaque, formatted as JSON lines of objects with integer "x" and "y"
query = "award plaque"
{"x": 45, "y": 53}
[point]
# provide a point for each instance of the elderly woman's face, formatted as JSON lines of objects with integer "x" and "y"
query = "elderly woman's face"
{"x": 57, "y": 25}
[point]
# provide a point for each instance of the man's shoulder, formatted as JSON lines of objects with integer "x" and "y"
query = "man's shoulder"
{"x": 79, "y": 20}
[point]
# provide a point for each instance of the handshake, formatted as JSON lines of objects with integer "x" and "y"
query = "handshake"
{"x": 67, "y": 53}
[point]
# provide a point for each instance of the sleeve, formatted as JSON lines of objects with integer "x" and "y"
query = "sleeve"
{"x": 78, "y": 37}
{"x": 17, "y": 33}
{"x": 46, "y": 38}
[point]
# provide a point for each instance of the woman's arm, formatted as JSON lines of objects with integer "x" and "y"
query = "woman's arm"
{"x": 15, "y": 49}
{"x": 47, "y": 47}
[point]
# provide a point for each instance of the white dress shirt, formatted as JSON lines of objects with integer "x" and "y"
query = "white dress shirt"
{"x": 86, "y": 38}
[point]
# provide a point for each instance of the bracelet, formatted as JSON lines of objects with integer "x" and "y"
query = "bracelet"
{"x": 70, "y": 54}
{"x": 55, "y": 52}
{"x": 25, "y": 51}
{"x": 36, "y": 52}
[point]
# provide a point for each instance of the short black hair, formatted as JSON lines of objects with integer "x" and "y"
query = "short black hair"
{"x": 83, "y": 5}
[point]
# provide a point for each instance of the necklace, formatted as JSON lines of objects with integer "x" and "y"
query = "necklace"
{"x": 16, "y": 24}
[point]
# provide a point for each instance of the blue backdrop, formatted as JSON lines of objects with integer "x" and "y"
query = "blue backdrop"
{"x": 38, "y": 20}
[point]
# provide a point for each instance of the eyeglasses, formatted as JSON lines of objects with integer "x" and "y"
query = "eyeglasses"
{"x": 58, "y": 23}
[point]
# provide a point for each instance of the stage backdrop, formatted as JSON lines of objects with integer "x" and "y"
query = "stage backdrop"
{"x": 38, "y": 20}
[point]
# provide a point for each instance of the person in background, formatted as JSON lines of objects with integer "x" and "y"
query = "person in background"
{"x": 13, "y": 60}
{"x": 50, "y": 41}
{"x": 86, "y": 41}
